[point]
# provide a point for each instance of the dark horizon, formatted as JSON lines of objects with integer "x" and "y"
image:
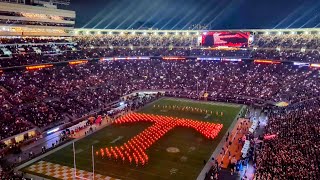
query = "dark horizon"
{"x": 182, "y": 14}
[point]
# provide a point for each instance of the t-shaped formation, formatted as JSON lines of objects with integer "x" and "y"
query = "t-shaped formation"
{"x": 135, "y": 148}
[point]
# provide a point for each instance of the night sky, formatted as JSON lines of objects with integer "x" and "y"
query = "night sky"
{"x": 181, "y": 14}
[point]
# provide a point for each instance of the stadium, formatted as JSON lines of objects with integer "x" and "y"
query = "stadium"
{"x": 164, "y": 90}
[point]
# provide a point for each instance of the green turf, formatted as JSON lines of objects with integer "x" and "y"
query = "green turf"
{"x": 186, "y": 164}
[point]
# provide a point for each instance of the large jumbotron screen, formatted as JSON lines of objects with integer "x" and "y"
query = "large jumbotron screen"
{"x": 230, "y": 39}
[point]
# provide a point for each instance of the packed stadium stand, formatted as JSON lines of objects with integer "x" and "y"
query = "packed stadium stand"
{"x": 28, "y": 51}
{"x": 294, "y": 154}
{"x": 39, "y": 98}
{"x": 52, "y": 73}
{"x": 52, "y": 96}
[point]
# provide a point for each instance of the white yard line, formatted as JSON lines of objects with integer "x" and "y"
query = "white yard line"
{"x": 117, "y": 139}
{"x": 202, "y": 102}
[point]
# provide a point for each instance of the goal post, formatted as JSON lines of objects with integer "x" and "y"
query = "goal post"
{"x": 74, "y": 162}
{"x": 75, "y": 176}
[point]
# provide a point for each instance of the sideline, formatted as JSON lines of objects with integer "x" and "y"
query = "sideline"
{"x": 217, "y": 150}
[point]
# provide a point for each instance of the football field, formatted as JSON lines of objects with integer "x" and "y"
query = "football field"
{"x": 178, "y": 154}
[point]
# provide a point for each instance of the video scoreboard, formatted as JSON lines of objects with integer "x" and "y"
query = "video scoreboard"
{"x": 226, "y": 39}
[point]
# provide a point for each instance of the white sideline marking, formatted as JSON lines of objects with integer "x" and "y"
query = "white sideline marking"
{"x": 117, "y": 139}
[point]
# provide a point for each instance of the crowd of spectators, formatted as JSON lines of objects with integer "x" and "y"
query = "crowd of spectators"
{"x": 300, "y": 47}
{"x": 312, "y": 56}
{"x": 27, "y": 51}
{"x": 9, "y": 123}
{"x": 40, "y": 98}
{"x": 138, "y": 40}
{"x": 31, "y": 40}
{"x": 47, "y": 96}
{"x": 290, "y": 47}
{"x": 297, "y": 47}
{"x": 295, "y": 151}
{"x": 288, "y": 41}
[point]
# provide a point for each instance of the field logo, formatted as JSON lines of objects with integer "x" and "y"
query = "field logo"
{"x": 134, "y": 150}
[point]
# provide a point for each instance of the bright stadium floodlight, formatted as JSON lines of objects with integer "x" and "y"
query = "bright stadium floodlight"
{"x": 292, "y": 32}
{"x": 279, "y": 32}
{"x": 133, "y": 32}
{"x": 87, "y": 32}
{"x": 110, "y": 32}
{"x": 267, "y": 33}
{"x": 306, "y": 32}
{"x": 121, "y": 33}
{"x": 145, "y": 33}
